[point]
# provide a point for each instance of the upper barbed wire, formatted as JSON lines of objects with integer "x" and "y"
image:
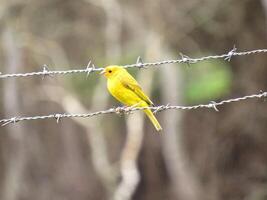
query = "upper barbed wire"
{"x": 139, "y": 64}
{"x": 120, "y": 110}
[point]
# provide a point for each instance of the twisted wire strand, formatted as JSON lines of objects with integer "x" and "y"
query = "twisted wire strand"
{"x": 127, "y": 110}
{"x": 139, "y": 64}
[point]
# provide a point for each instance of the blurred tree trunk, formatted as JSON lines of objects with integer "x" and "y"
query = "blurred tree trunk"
{"x": 15, "y": 150}
{"x": 129, "y": 157}
{"x": 185, "y": 184}
{"x": 113, "y": 27}
{"x": 264, "y": 3}
{"x": 227, "y": 146}
{"x": 106, "y": 171}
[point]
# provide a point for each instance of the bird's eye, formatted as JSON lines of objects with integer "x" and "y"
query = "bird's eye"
{"x": 109, "y": 71}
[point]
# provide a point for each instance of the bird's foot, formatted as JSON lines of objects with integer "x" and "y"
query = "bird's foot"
{"x": 126, "y": 109}
{"x": 121, "y": 110}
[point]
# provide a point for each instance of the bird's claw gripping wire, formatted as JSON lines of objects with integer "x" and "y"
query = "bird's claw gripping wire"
{"x": 126, "y": 109}
{"x": 120, "y": 110}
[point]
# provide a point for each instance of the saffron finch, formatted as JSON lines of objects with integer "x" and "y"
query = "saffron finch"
{"x": 125, "y": 89}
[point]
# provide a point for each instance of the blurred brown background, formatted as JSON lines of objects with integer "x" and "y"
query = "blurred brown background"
{"x": 200, "y": 155}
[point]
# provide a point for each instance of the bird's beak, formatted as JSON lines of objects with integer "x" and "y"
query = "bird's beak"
{"x": 102, "y": 72}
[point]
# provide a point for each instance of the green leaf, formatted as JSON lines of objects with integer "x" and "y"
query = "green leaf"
{"x": 206, "y": 81}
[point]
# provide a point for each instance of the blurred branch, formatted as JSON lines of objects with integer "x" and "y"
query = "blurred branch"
{"x": 130, "y": 176}
{"x": 184, "y": 183}
{"x": 105, "y": 170}
{"x": 113, "y": 28}
{"x": 135, "y": 133}
{"x": 47, "y": 48}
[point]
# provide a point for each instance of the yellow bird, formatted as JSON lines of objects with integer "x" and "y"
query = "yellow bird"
{"x": 125, "y": 89}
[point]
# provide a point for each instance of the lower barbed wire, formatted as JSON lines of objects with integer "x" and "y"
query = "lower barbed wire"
{"x": 127, "y": 110}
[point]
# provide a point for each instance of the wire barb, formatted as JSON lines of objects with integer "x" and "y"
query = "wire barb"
{"x": 264, "y": 95}
{"x": 160, "y": 108}
{"x": 58, "y": 117}
{"x": 186, "y": 59}
{"x": 213, "y": 105}
{"x": 89, "y": 69}
{"x": 45, "y": 71}
{"x": 11, "y": 120}
{"x": 127, "y": 110}
{"x": 139, "y": 64}
{"x": 230, "y": 54}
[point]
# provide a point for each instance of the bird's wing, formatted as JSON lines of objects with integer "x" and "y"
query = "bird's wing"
{"x": 130, "y": 83}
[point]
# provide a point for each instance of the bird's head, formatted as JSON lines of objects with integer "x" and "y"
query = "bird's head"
{"x": 111, "y": 70}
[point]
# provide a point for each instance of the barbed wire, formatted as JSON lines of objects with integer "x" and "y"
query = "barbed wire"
{"x": 139, "y": 64}
{"x": 127, "y": 110}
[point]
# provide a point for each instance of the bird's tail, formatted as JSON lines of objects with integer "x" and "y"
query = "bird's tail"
{"x": 153, "y": 119}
